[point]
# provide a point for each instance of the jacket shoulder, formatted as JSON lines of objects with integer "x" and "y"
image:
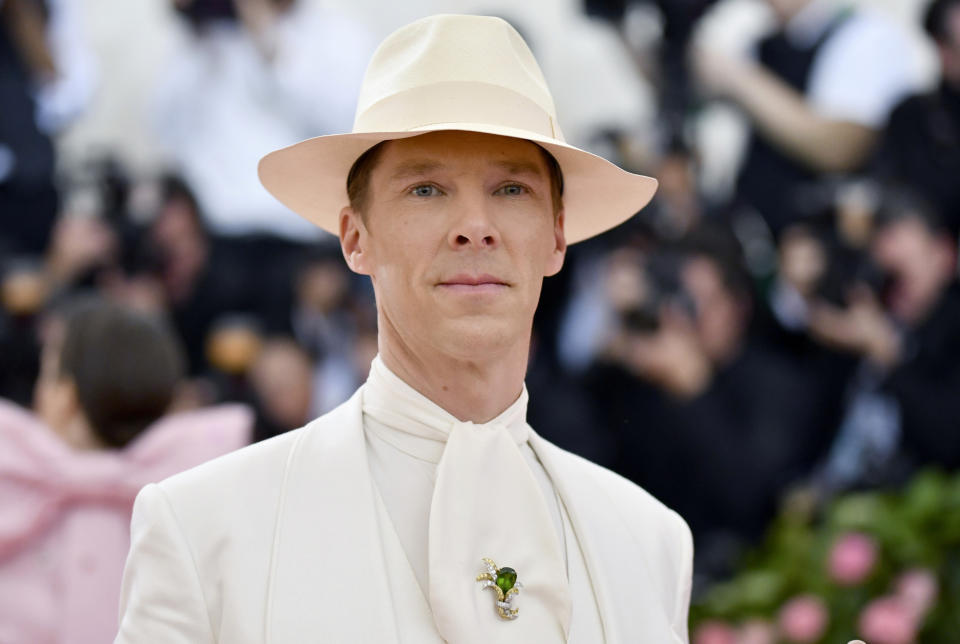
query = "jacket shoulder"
{"x": 633, "y": 521}
{"x": 232, "y": 473}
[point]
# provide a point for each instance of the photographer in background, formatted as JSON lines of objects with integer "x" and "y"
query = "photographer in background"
{"x": 688, "y": 390}
{"x": 250, "y": 76}
{"x": 817, "y": 96}
{"x": 922, "y": 145}
{"x": 902, "y": 406}
{"x": 46, "y": 80}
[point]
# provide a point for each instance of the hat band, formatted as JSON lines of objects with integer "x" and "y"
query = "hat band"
{"x": 454, "y": 102}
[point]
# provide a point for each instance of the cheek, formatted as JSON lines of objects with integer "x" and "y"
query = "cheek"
{"x": 537, "y": 244}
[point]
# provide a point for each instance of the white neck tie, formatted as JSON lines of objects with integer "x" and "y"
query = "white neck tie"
{"x": 486, "y": 504}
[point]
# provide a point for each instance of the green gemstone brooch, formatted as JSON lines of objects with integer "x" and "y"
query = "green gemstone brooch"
{"x": 504, "y": 583}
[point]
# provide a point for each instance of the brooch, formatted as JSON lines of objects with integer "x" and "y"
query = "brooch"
{"x": 504, "y": 582}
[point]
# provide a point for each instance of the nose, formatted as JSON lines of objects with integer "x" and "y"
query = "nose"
{"x": 473, "y": 226}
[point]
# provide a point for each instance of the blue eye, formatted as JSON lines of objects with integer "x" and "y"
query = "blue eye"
{"x": 424, "y": 191}
{"x": 512, "y": 190}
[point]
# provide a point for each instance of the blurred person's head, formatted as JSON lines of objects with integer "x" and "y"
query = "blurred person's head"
{"x": 625, "y": 285}
{"x": 678, "y": 200}
{"x": 854, "y": 210}
{"x": 721, "y": 296}
{"x": 106, "y": 374}
{"x": 802, "y": 259}
{"x": 787, "y": 9}
{"x": 282, "y": 379}
{"x": 178, "y": 238}
{"x": 917, "y": 252}
{"x": 322, "y": 283}
{"x": 942, "y": 23}
{"x": 717, "y": 281}
{"x": 179, "y": 215}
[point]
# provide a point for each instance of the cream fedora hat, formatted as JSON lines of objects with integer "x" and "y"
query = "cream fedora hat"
{"x": 453, "y": 72}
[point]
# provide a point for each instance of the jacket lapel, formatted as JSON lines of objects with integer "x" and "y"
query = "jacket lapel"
{"x": 329, "y": 581}
{"x": 617, "y": 558}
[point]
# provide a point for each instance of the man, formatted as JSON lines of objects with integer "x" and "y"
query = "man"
{"x": 273, "y": 69}
{"x": 691, "y": 388}
{"x": 901, "y": 406}
{"x": 818, "y": 94}
{"x": 424, "y": 509}
{"x": 922, "y": 145}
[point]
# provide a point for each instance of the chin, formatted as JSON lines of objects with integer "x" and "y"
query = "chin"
{"x": 478, "y": 337}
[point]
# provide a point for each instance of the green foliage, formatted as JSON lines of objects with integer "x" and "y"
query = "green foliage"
{"x": 915, "y": 528}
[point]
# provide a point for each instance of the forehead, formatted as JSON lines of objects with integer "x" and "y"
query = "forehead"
{"x": 460, "y": 152}
{"x": 908, "y": 228}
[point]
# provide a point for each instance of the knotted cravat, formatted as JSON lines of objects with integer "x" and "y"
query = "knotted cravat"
{"x": 486, "y": 504}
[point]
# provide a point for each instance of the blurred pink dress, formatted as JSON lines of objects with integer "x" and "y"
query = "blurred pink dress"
{"x": 65, "y": 517}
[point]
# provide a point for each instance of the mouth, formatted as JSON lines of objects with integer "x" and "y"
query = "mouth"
{"x": 473, "y": 283}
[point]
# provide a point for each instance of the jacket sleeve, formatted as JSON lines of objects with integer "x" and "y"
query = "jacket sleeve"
{"x": 685, "y": 583}
{"x": 161, "y": 599}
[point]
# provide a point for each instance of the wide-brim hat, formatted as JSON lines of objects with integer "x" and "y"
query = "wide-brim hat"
{"x": 453, "y": 72}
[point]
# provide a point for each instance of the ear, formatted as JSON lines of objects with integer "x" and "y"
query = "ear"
{"x": 354, "y": 241}
{"x": 560, "y": 247}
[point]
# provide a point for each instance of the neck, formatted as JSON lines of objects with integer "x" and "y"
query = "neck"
{"x": 471, "y": 389}
{"x": 78, "y": 435}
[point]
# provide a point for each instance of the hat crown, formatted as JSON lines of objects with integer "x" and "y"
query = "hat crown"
{"x": 460, "y": 73}
{"x": 451, "y": 57}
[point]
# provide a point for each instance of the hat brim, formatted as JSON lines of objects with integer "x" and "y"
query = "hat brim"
{"x": 310, "y": 178}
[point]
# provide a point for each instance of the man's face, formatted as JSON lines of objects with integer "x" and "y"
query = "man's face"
{"x": 458, "y": 234}
{"x": 720, "y": 320}
{"x": 920, "y": 263}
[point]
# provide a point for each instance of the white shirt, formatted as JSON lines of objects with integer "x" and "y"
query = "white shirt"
{"x": 404, "y": 466}
{"x": 863, "y": 70}
{"x": 222, "y": 106}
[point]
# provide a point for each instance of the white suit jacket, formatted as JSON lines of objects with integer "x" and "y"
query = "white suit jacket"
{"x": 281, "y": 542}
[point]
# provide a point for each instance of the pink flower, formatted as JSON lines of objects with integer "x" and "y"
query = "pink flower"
{"x": 918, "y": 589}
{"x": 803, "y": 619}
{"x": 714, "y": 632}
{"x": 757, "y": 631}
{"x": 852, "y": 558}
{"x": 888, "y": 620}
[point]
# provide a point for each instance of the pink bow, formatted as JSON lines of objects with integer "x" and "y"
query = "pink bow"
{"x": 41, "y": 477}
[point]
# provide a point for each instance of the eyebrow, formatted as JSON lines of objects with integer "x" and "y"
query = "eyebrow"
{"x": 413, "y": 169}
{"x": 416, "y": 168}
{"x": 521, "y": 167}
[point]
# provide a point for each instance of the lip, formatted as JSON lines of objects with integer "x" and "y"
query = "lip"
{"x": 464, "y": 279}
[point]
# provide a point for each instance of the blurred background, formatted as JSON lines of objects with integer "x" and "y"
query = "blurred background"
{"x": 772, "y": 348}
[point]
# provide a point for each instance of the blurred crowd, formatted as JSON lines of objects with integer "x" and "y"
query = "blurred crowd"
{"x": 785, "y": 339}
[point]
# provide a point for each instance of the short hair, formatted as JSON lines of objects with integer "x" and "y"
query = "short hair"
{"x": 358, "y": 179}
{"x": 720, "y": 245}
{"x": 904, "y": 204}
{"x": 125, "y": 366}
{"x": 935, "y": 19}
